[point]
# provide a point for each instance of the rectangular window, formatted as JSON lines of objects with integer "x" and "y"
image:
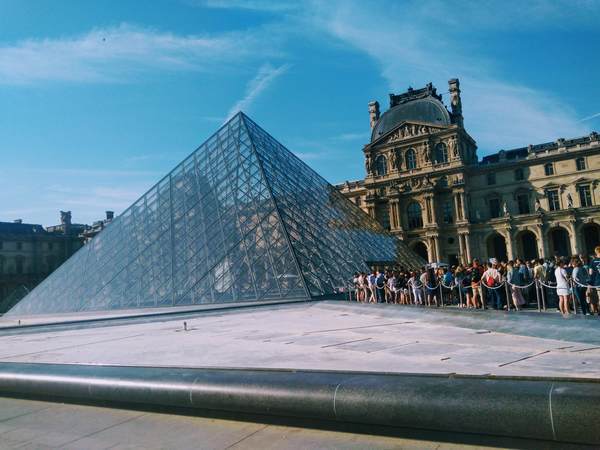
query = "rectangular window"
{"x": 519, "y": 175}
{"x": 585, "y": 195}
{"x": 357, "y": 201}
{"x": 580, "y": 163}
{"x": 447, "y": 210}
{"x": 494, "y": 207}
{"x": 49, "y": 245}
{"x": 19, "y": 246}
{"x": 491, "y": 178}
{"x": 553, "y": 200}
{"x": 523, "y": 201}
{"x": 549, "y": 169}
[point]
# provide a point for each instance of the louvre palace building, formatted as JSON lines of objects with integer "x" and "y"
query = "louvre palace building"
{"x": 425, "y": 183}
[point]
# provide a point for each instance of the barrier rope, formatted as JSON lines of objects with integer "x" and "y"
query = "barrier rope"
{"x": 585, "y": 285}
{"x": 546, "y": 285}
{"x": 519, "y": 286}
{"x": 495, "y": 287}
{"x": 452, "y": 286}
{"x": 417, "y": 285}
{"x": 433, "y": 288}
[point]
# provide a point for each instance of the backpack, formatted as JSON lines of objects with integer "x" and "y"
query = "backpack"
{"x": 490, "y": 281}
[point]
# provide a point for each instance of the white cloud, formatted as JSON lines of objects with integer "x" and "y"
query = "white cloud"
{"x": 253, "y": 5}
{"x": 417, "y": 42}
{"x": 113, "y": 54}
{"x": 261, "y": 81}
{"x": 593, "y": 116}
{"x": 352, "y": 137}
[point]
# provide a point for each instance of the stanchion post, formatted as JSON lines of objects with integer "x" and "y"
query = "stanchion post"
{"x": 537, "y": 295}
{"x": 543, "y": 294}
{"x": 508, "y": 296}
{"x": 573, "y": 296}
{"x": 441, "y": 295}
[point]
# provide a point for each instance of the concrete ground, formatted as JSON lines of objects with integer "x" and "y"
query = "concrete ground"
{"x": 28, "y": 424}
{"x": 329, "y": 336}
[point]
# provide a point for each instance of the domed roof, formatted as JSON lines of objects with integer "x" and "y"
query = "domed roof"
{"x": 428, "y": 109}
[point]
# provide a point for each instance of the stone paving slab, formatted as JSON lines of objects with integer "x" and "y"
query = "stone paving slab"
{"x": 332, "y": 336}
{"x": 28, "y": 424}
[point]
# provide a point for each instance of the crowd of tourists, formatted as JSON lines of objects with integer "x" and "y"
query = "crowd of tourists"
{"x": 562, "y": 283}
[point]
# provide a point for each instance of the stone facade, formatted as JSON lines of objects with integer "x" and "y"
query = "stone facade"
{"x": 425, "y": 183}
{"x": 29, "y": 253}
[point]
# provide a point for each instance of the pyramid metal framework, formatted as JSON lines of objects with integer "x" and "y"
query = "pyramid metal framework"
{"x": 240, "y": 220}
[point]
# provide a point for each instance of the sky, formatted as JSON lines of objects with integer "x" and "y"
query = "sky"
{"x": 100, "y": 99}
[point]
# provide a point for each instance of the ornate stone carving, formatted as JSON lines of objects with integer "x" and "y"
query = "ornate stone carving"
{"x": 373, "y": 113}
{"x": 409, "y": 130}
{"x": 453, "y": 147}
{"x": 569, "y": 200}
{"x": 368, "y": 164}
{"x": 394, "y": 159}
{"x": 426, "y": 152}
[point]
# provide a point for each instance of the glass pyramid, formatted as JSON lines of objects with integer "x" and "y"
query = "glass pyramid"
{"x": 240, "y": 220}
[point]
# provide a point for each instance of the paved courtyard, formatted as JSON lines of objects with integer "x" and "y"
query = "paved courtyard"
{"x": 330, "y": 336}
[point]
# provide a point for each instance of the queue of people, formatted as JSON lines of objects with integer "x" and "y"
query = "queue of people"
{"x": 564, "y": 283}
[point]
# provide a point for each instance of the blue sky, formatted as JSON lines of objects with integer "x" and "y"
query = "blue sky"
{"x": 99, "y": 99}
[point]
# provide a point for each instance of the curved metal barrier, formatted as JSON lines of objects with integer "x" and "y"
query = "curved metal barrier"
{"x": 555, "y": 409}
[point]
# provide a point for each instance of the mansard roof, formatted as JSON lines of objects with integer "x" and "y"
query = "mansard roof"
{"x": 421, "y": 105}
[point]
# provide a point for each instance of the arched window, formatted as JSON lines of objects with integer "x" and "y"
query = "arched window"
{"x": 441, "y": 153}
{"x": 381, "y": 165}
{"x": 415, "y": 216}
{"x": 411, "y": 159}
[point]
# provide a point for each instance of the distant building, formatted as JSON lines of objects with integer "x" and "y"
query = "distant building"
{"x": 97, "y": 226}
{"x": 425, "y": 183}
{"x": 29, "y": 253}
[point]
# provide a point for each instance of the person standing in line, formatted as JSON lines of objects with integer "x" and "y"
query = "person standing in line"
{"x": 595, "y": 272}
{"x": 415, "y": 285}
{"x": 391, "y": 286}
{"x": 492, "y": 280}
{"x": 513, "y": 278}
{"x": 580, "y": 282}
{"x": 562, "y": 287}
{"x": 448, "y": 280}
{"x": 371, "y": 281}
{"x": 476, "y": 271}
{"x": 380, "y": 287}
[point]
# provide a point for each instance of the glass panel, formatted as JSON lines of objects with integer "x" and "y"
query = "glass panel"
{"x": 233, "y": 223}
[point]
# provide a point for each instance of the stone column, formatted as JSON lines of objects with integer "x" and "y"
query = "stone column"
{"x": 468, "y": 247}
{"x": 430, "y": 250}
{"x": 510, "y": 247}
{"x": 371, "y": 210}
{"x": 575, "y": 250}
{"x": 543, "y": 242}
{"x": 463, "y": 206}
{"x": 436, "y": 245}
{"x": 394, "y": 215}
{"x": 457, "y": 207}
{"x": 461, "y": 248}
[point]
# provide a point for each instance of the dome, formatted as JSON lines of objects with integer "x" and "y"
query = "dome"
{"x": 428, "y": 109}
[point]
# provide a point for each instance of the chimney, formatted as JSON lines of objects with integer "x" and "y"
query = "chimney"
{"x": 110, "y": 215}
{"x": 373, "y": 113}
{"x": 455, "y": 102}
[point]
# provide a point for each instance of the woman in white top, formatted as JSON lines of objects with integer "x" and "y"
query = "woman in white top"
{"x": 562, "y": 287}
